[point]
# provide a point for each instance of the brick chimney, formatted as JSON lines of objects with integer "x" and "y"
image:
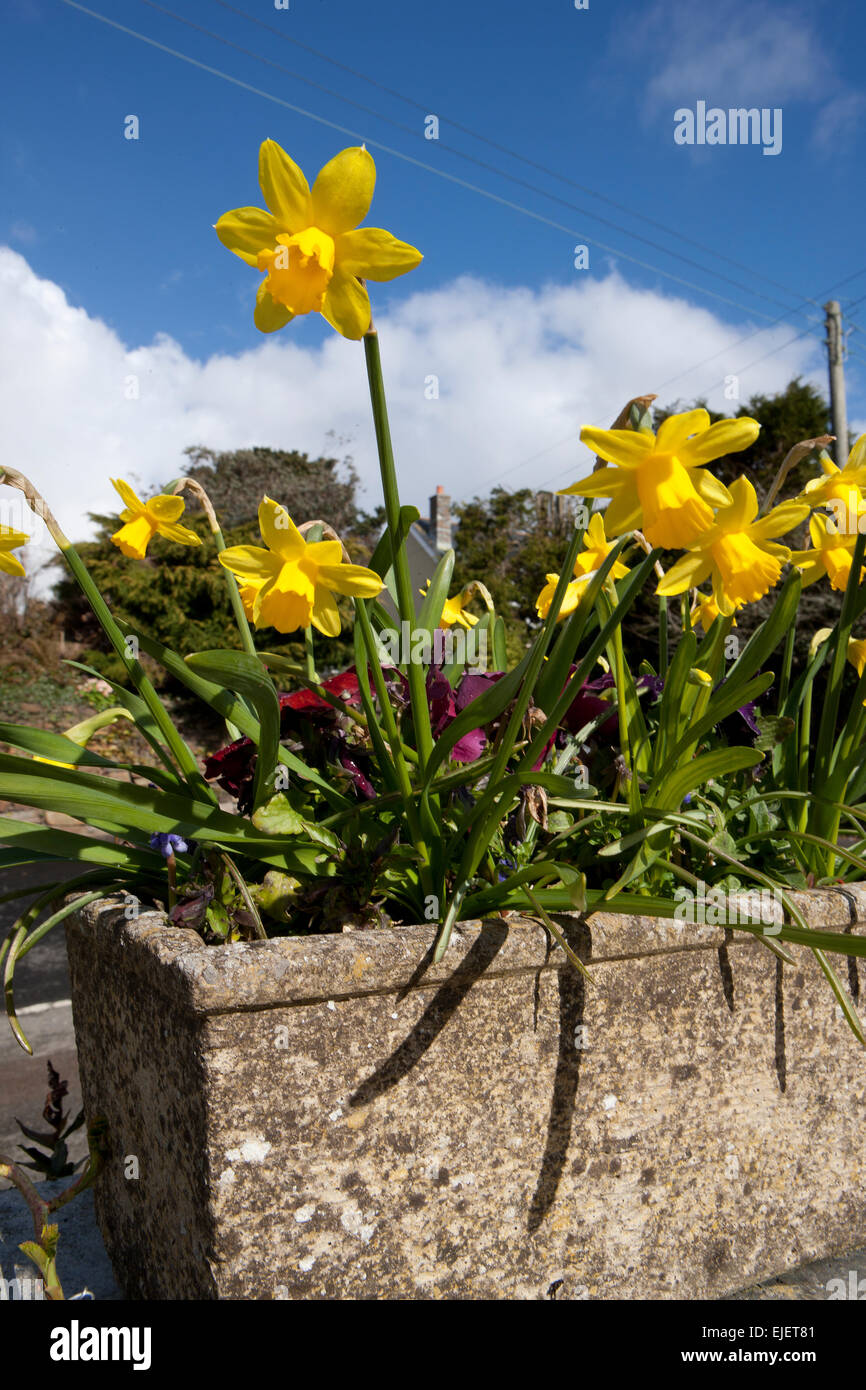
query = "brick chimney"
{"x": 440, "y": 519}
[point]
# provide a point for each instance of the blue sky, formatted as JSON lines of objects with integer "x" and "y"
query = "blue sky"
{"x": 122, "y": 229}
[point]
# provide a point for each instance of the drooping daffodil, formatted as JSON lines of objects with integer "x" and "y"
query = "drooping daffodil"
{"x": 736, "y": 551}
{"x": 310, "y": 245}
{"x": 453, "y": 609}
{"x": 658, "y": 483}
{"x": 832, "y": 553}
{"x": 841, "y": 489}
{"x": 144, "y": 520}
{"x": 596, "y": 548}
{"x": 10, "y": 540}
{"x": 292, "y": 584}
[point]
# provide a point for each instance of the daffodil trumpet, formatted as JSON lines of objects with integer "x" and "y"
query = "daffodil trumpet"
{"x": 659, "y": 482}
{"x": 736, "y": 551}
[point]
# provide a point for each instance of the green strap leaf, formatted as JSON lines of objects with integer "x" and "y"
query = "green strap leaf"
{"x": 246, "y": 676}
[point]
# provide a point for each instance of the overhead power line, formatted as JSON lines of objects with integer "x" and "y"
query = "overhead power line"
{"x": 418, "y": 163}
{"x": 513, "y": 154}
{"x": 462, "y": 154}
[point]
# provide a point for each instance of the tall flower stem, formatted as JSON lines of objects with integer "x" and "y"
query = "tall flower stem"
{"x": 309, "y": 655}
{"x": 393, "y": 735}
{"x": 619, "y": 677}
{"x": 402, "y": 579}
{"x": 183, "y": 756}
{"x": 191, "y": 485}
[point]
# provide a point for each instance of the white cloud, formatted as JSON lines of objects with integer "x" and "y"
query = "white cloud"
{"x": 749, "y": 53}
{"x": 519, "y": 372}
{"x": 838, "y": 121}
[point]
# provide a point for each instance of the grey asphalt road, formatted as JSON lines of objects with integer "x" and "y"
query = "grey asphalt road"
{"x": 42, "y": 976}
{"x": 42, "y": 1001}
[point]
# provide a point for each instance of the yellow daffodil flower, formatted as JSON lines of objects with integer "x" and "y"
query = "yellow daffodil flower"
{"x": 841, "y": 489}
{"x": 659, "y": 484}
{"x": 452, "y": 609}
{"x": 831, "y": 554}
{"x": 309, "y": 243}
{"x": 144, "y": 520}
{"x": 292, "y": 583}
{"x": 736, "y": 551}
{"x": 857, "y": 654}
{"x": 596, "y": 548}
{"x": 704, "y": 611}
{"x": 9, "y": 541}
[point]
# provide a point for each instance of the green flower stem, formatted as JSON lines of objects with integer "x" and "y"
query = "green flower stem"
{"x": 310, "y": 655}
{"x": 787, "y": 661}
{"x": 191, "y": 485}
{"x": 803, "y": 750}
{"x": 716, "y": 665}
{"x": 608, "y": 602}
{"x": 403, "y": 779}
{"x": 851, "y": 738}
{"x": 480, "y": 833}
{"x": 184, "y": 758}
{"x": 827, "y": 727}
{"x": 402, "y": 579}
{"x": 663, "y": 637}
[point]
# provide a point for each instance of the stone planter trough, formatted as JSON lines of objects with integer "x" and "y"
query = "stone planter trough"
{"x": 334, "y": 1117}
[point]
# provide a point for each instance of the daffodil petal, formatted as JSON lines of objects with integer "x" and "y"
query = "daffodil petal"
{"x": 343, "y": 191}
{"x": 374, "y": 254}
{"x": 347, "y": 306}
{"x": 810, "y": 570}
{"x": 607, "y": 482}
{"x": 744, "y": 505}
{"x": 323, "y": 552}
{"x": 285, "y": 188}
{"x": 781, "y": 519}
{"x": 278, "y": 530}
{"x": 326, "y": 615}
{"x": 10, "y": 539}
{"x": 724, "y": 437}
{"x": 353, "y": 580}
{"x": 166, "y": 507}
{"x": 857, "y": 456}
{"x": 675, "y": 430}
{"x": 623, "y": 514}
{"x": 595, "y": 538}
{"x": 246, "y": 232}
{"x": 254, "y": 564}
{"x": 135, "y": 505}
{"x": 709, "y": 487}
{"x": 269, "y": 315}
{"x": 627, "y": 448}
{"x": 10, "y": 564}
{"x": 724, "y": 603}
{"x": 688, "y": 572}
{"x": 181, "y": 535}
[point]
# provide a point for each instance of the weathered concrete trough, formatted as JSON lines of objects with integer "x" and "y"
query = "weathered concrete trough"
{"x": 335, "y": 1117}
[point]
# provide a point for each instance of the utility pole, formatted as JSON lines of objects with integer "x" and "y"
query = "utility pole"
{"x": 833, "y": 325}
